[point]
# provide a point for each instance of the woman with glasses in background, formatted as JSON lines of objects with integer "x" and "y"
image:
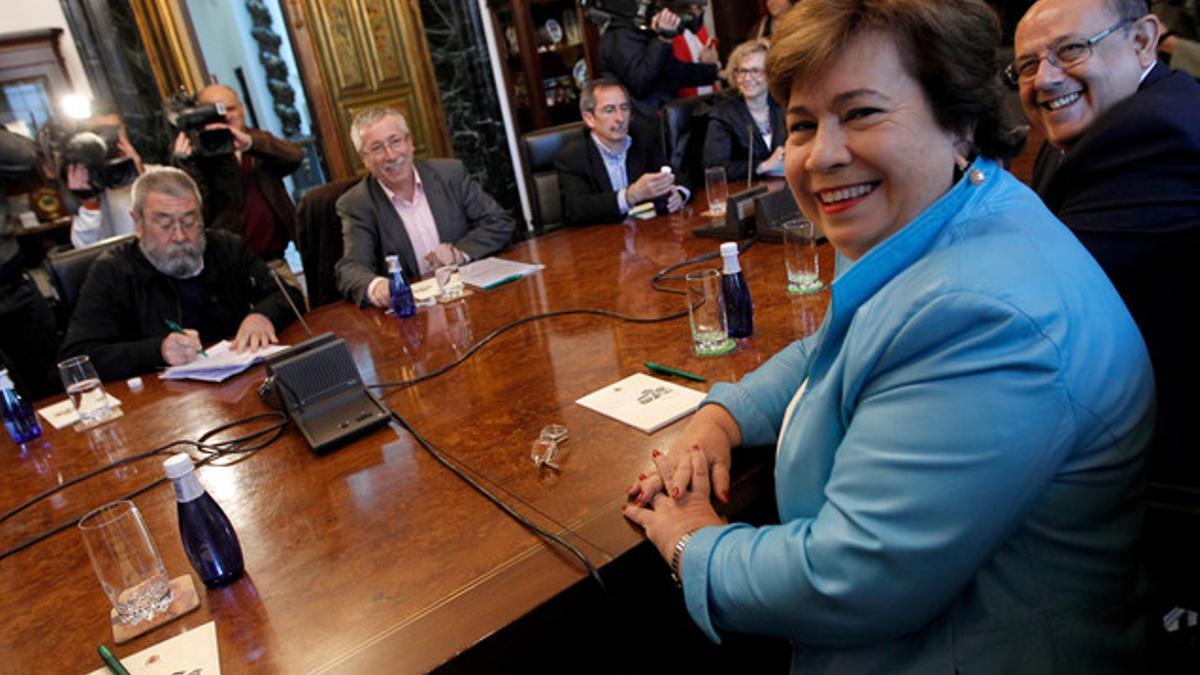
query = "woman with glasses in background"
{"x": 750, "y": 120}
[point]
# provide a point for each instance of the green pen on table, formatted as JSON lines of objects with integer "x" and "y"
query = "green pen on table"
{"x": 673, "y": 371}
{"x": 176, "y": 328}
{"x": 113, "y": 663}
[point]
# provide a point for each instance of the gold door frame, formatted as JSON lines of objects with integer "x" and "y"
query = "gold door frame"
{"x": 377, "y": 29}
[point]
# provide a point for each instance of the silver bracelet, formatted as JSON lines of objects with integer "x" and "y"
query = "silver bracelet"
{"x": 677, "y": 556}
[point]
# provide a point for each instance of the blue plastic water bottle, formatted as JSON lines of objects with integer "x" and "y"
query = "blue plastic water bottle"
{"x": 739, "y": 308}
{"x": 208, "y": 537}
{"x": 403, "y": 303}
{"x": 18, "y": 415}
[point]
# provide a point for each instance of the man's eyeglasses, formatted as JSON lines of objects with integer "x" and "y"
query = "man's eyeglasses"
{"x": 1063, "y": 56}
{"x": 743, "y": 72}
{"x": 395, "y": 144}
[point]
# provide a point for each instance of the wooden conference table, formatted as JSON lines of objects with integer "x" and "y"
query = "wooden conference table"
{"x": 375, "y": 558}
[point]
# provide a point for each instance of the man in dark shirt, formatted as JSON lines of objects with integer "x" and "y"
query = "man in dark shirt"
{"x": 644, "y": 61}
{"x": 244, "y": 192}
{"x": 27, "y": 338}
{"x": 210, "y": 284}
{"x": 613, "y": 164}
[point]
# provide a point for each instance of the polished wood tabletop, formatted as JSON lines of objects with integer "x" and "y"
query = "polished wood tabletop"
{"x": 375, "y": 558}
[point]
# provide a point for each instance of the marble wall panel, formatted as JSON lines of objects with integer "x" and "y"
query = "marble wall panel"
{"x": 457, "y": 47}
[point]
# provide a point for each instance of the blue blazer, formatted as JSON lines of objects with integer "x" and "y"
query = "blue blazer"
{"x": 960, "y": 448}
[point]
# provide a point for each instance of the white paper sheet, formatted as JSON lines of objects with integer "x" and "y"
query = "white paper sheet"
{"x": 644, "y": 402}
{"x": 494, "y": 271}
{"x": 220, "y": 364}
{"x": 195, "y": 651}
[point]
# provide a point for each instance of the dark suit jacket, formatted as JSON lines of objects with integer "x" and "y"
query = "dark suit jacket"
{"x": 224, "y": 191}
{"x": 1129, "y": 188}
{"x": 648, "y": 69}
{"x": 727, "y": 143}
{"x": 587, "y": 193}
{"x": 465, "y": 215}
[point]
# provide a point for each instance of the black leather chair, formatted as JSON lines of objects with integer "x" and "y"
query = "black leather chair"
{"x": 683, "y": 125}
{"x": 319, "y": 239}
{"x": 68, "y": 270}
{"x": 538, "y": 149}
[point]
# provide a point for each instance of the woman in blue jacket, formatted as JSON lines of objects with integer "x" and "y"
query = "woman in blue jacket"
{"x": 959, "y": 447}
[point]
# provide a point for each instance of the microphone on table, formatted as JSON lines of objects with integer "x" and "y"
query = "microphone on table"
{"x": 288, "y": 296}
{"x": 750, "y": 162}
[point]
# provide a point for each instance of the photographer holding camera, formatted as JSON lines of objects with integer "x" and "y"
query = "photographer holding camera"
{"x": 240, "y": 172}
{"x": 640, "y": 55}
{"x": 99, "y": 167}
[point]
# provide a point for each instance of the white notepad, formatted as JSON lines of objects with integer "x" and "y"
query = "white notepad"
{"x": 494, "y": 271}
{"x": 194, "y": 651}
{"x": 644, "y": 402}
{"x": 220, "y": 364}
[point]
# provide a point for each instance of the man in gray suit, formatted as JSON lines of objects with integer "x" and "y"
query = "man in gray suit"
{"x": 430, "y": 213}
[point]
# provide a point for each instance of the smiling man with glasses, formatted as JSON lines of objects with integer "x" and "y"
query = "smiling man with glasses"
{"x": 1122, "y": 170}
{"x": 428, "y": 212}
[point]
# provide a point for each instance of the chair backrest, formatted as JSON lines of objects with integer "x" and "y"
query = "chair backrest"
{"x": 68, "y": 270}
{"x": 319, "y": 239}
{"x": 683, "y": 124}
{"x": 539, "y": 149}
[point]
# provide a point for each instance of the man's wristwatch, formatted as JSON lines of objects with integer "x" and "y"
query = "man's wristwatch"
{"x": 677, "y": 556}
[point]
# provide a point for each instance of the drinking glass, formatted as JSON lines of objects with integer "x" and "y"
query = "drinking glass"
{"x": 706, "y": 314}
{"x": 87, "y": 394}
{"x": 801, "y": 257}
{"x": 126, "y": 561}
{"x": 450, "y": 283}
{"x": 717, "y": 190}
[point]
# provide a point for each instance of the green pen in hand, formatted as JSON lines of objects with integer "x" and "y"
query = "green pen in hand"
{"x": 176, "y": 328}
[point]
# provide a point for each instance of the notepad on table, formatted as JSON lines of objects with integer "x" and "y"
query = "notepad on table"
{"x": 493, "y": 271}
{"x": 193, "y": 651}
{"x": 221, "y": 364}
{"x": 644, "y": 402}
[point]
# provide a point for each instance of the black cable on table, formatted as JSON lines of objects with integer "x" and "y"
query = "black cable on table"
{"x": 438, "y": 455}
{"x": 234, "y": 447}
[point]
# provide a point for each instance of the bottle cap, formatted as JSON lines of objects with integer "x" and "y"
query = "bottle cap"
{"x": 5, "y": 382}
{"x": 177, "y": 466}
{"x": 665, "y": 169}
{"x": 393, "y": 263}
{"x": 729, "y": 248}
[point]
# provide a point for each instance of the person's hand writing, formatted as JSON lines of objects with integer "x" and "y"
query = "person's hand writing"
{"x": 256, "y": 332}
{"x": 183, "y": 146}
{"x": 712, "y": 432}
{"x": 649, "y": 186}
{"x": 180, "y": 348}
{"x": 665, "y": 520}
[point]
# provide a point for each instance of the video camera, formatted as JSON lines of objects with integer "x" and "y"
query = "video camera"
{"x": 98, "y": 152}
{"x": 185, "y": 115}
{"x": 638, "y": 13}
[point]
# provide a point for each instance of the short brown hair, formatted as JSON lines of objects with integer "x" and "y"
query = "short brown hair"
{"x": 948, "y": 46}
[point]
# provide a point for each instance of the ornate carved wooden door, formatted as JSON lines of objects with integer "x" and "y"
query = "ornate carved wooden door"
{"x": 356, "y": 54}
